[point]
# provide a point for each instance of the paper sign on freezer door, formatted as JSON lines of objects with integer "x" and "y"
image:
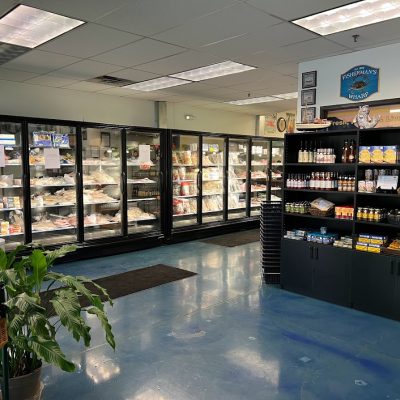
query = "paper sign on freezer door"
{"x": 51, "y": 158}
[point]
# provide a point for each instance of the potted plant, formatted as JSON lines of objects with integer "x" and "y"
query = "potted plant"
{"x": 35, "y": 313}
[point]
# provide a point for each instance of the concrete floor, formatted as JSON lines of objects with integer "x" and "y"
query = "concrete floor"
{"x": 223, "y": 334}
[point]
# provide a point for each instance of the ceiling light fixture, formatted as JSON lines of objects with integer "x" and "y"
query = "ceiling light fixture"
{"x": 351, "y": 16}
{"x": 287, "y": 96}
{"x": 30, "y": 27}
{"x": 157, "y": 84}
{"x": 213, "y": 71}
{"x": 253, "y": 100}
{"x": 395, "y": 110}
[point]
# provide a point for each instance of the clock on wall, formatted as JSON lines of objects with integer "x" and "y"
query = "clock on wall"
{"x": 281, "y": 124}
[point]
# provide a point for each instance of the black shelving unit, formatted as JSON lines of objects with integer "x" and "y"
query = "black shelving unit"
{"x": 366, "y": 281}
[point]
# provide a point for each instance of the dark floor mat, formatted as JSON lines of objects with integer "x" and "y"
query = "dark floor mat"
{"x": 130, "y": 282}
{"x": 235, "y": 239}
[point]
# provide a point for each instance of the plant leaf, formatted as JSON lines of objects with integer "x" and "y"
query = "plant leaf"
{"x": 3, "y": 260}
{"x": 39, "y": 267}
{"x": 52, "y": 255}
{"x": 49, "y": 351}
{"x": 67, "y": 307}
{"x": 24, "y": 302}
{"x": 105, "y": 324}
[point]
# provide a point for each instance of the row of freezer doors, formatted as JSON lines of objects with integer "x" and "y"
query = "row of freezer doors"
{"x": 110, "y": 184}
{"x": 216, "y": 179}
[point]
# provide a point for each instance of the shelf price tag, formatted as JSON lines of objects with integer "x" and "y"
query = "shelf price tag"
{"x": 51, "y": 158}
{"x": 2, "y": 156}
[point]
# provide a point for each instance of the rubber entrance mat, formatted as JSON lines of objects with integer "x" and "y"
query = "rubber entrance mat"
{"x": 133, "y": 281}
{"x": 235, "y": 239}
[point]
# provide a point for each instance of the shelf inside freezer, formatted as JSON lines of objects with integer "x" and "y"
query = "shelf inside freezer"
{"x": 142, "y": 199}
{"x": 10, "y": 209}
{"x": 12, "y": 234}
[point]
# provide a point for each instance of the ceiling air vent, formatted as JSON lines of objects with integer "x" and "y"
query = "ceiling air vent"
{"x": 111, "y": 81}
{"x": 10, "y": 51}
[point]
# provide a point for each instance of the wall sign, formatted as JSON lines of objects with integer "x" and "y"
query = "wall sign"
{"x": 359, "y": 82}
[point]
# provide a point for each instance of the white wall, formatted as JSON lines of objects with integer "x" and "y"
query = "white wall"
{"x": 386, "y": 58}
{"x": 45, "y": 102}
{"x": 208, "y": 120}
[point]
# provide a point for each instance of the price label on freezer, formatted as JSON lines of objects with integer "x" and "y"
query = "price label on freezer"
{"x": 2, "y": 156}
{"x": 51, "y": 158}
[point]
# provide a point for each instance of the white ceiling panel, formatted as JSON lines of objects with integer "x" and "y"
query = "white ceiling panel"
{"x": 86, "y": 86}
{"x": 222, "y": 25}
{"x": 115, "y": 91}
{"x": 86, "y": 69}
{"x": 134, "y": 75}
{"x": 7, "y": 5}
{"x": 89, "y": 40}
{"x": 370, "y": 36}
{"x": 289, "y": 68}
{"x": 140, "y": 52}
{"x": 16, "y": 76}
{"x": 40, "y": 62}
{"x": 268, "y": 86}
{"x": 180, "y": 62}
{"x": 85, "y": 10}
{"x": 49, "y": 80}
{"x": 265, "y": 38}
{"x": 290, "y": 9}
{"x": 148, "y": 17}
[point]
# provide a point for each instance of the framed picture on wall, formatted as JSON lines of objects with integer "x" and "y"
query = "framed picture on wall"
{"x": 308, "y": 79}
{"x": 308, "y": 114}
{"x": 308, "y": 97}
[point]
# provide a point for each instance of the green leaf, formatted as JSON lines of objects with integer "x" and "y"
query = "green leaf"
{"x": 13, "y": 254}
{"x": 39, "y": 267}
{"x": 49, "y": 351}
{"x": 105, "y": 324}
{"x": 24, "y": 302}
{"x": 52, "y": 255}
{"x": 67, "y": 307}
{"x": 3, "y": 260}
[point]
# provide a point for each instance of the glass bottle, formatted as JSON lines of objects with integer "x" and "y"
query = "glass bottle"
{"x": 352, "y": 154}
{"x": 345, "y": 151}
{"x": 300, "y": 154}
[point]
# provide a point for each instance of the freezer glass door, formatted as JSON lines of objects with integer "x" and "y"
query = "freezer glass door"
{"x": 143, "y": 181}
{"x": 276, "y": 170}
{"x": 213, "y": 179}
{"x": 11, "y": 192}
{"x": 101, "y": 163}
{"x": 237, "y": 178}
{"x": 185, "y": 180}
{"x": 259, "y": 170}
{"x": 52, "y": 162}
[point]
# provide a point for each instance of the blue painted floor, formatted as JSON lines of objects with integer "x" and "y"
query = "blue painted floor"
{"x": 223, "y": 334}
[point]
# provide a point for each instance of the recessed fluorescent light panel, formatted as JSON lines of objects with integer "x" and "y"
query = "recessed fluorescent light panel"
{"x": 253, "y": 100}
{"x": 30, "y": 27}
{"x": 287, "y": 96}
{"x": 351, "y": 16}
{"x": 395, "y": 110}
{"x": 157, "y": 84}
{"x": 213, "y": 71}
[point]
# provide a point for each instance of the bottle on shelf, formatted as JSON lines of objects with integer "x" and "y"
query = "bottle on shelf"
{"x": 300, "y": 154}
{"x": 352, "y": 152}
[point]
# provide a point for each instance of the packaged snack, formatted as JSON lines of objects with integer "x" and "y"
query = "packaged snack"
{"x": 182, "y": 173}
{"x": 390, "y": 154}
{"x": 361, "y": 246}
{"x": 364, "y": 155}
{"x": 185, "y": 189}
{"x": 42, "y": 139}
{"x": 187, "y": 158}
{"x": 362, "y": 186}
{"x": 374, "y": 248}
{"x": 5, "y": 226}
{"x": 60, "y": 140}
{"x": 377, "y": 154}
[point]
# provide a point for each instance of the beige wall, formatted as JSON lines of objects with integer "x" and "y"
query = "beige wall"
{"x": 207, "y": 120}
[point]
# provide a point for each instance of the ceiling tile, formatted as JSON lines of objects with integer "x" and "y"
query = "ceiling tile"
{"x": 16, "y": 76}
{"x": 180, "y": 62}
{"x": 40, "y": 62}
{"x": 89, "y": 40}
{"x": 86, "y": 69}
{"x": 7, "y": 5}
{"x": 115, "y": 91}
{"x": 140, "y": 52}
{"x": 87, "y": 10}
{"x": 49, "y": 80}
{"x": 264, "y": 38}
{"x": 222, "y": 25}
{"x": 86, "y": 86}
{"x": 148, "y": 17}
{"x": 289, "y": 68}
{"x": 289, "y": 9}
{"x": 370, "y": 35}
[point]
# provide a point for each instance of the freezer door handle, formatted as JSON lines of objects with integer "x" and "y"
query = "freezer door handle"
{"x": 311, "y": 252}
{"x": 161, "y": 181}
{"x": 316, "y": 253}
{"x": 198, "y": 182}
{"x": 123, "y": 177}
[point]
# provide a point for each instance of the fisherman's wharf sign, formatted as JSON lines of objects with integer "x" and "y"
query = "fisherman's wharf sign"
{"x": 359, "y": 82}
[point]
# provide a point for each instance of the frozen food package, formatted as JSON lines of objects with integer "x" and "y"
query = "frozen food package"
{"x": 322, "y": 204}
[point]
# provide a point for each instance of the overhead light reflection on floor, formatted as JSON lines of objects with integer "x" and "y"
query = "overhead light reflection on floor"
{"x": 99, "y": 370}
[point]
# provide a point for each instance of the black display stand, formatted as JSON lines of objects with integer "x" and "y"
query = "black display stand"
{"x": 366, "y": 281}
{"x": 270, "y": 237}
